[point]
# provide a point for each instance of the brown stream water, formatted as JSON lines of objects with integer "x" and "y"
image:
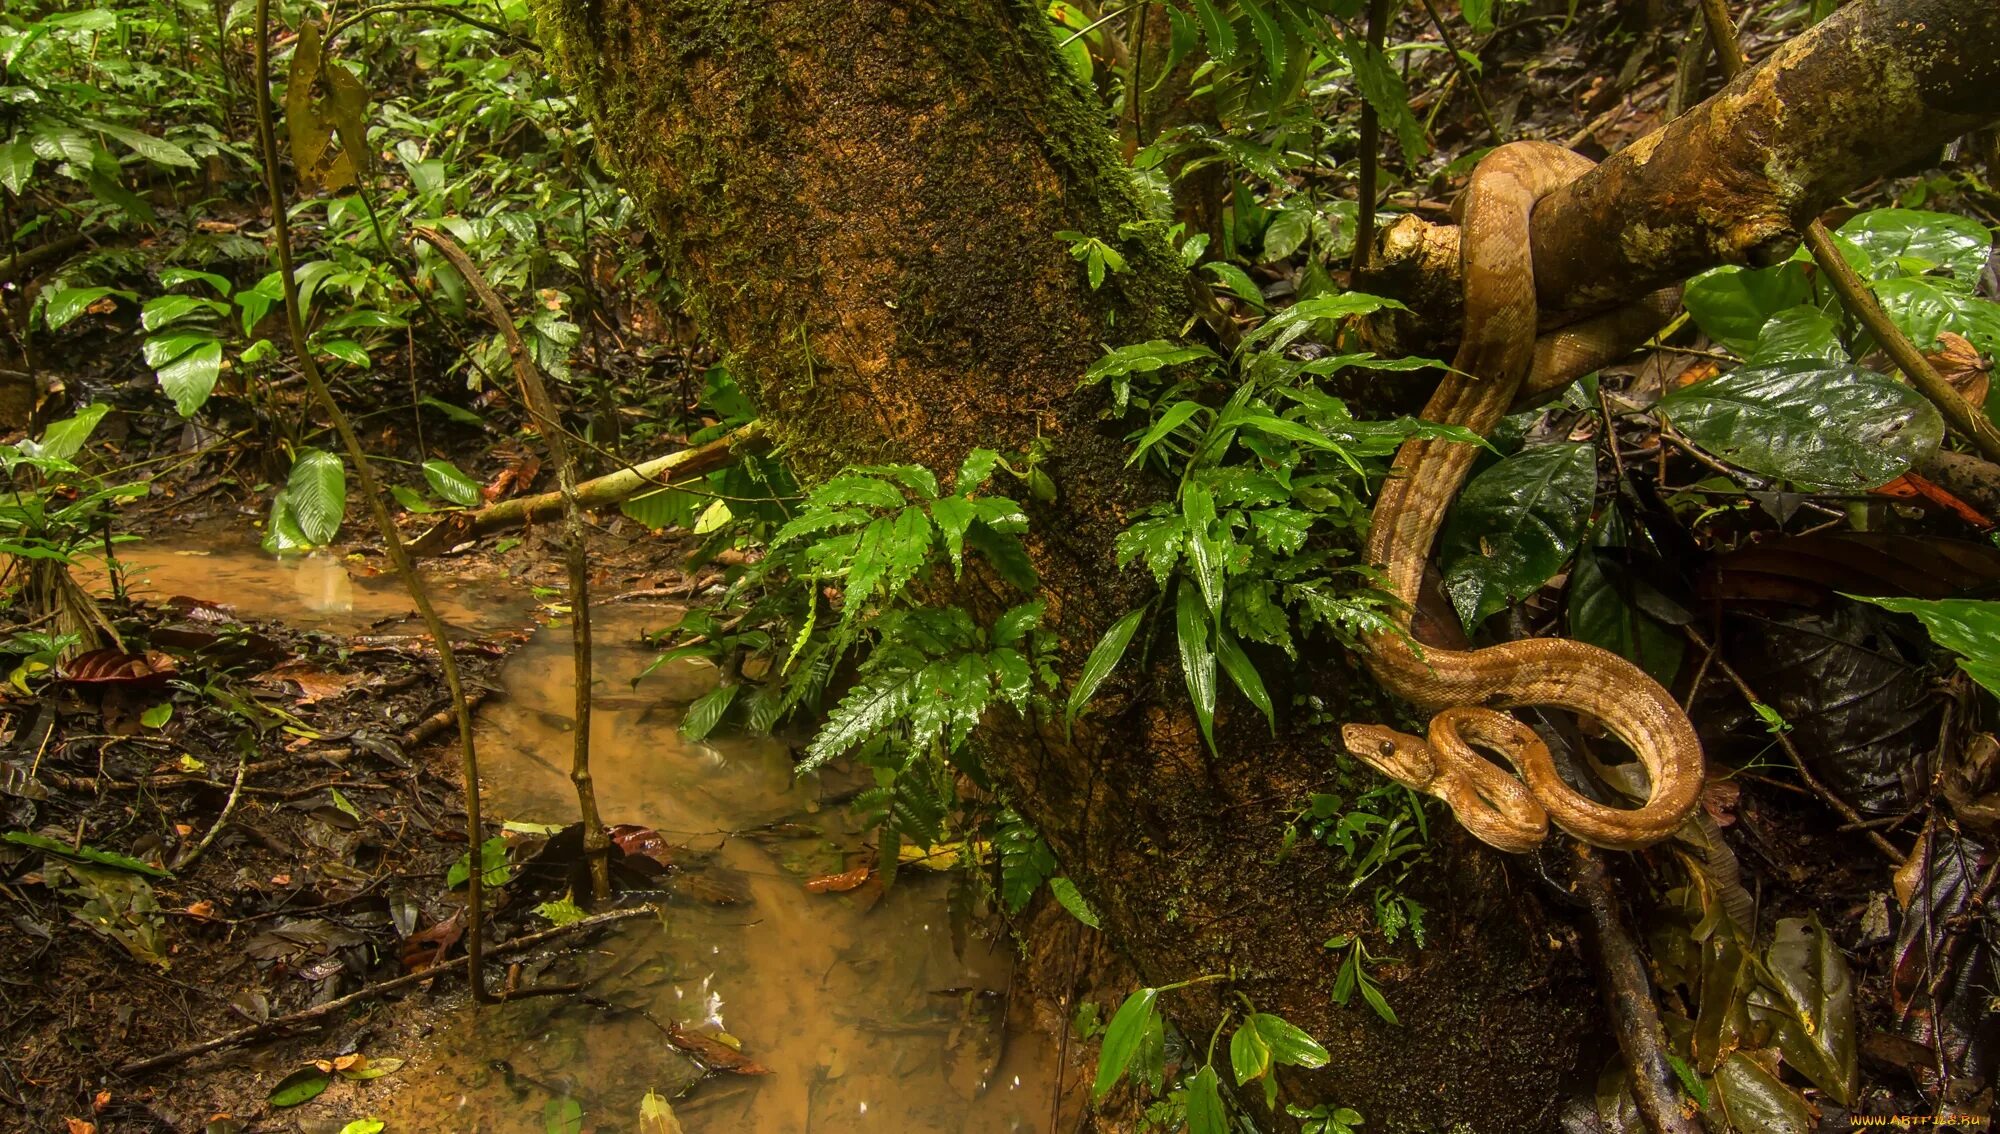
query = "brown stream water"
{"x": 857, "y": 1002}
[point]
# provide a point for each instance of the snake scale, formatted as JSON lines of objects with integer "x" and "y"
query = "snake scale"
{"x": 1467, "y": 687}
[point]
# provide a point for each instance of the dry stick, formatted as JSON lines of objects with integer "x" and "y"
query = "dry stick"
{"x": 307, "y": 1015}
{"x": 1634, "y": 1016}
{"x": 222, "y": 820}
{"x": 1853, "y": 291}
{"x": 542, "y": 408}
{"x": 267, "y": 138}
{"x": 1465, "y": 73}
{"x": 1370, "y": 146}
{"x": 1847, "y": 811}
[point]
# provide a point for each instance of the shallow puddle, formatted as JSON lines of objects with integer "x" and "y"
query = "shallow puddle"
{"x": 320, "y": 590}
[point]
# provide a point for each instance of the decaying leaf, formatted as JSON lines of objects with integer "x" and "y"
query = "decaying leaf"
{"x": 714, "y": 1054}
{"x": 324, "y": 99}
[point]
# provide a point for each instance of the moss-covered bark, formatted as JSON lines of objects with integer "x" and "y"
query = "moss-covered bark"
{"x": 862, "y": 200}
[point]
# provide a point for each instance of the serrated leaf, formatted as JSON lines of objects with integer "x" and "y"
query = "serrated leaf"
{"x": 1218, "y": 31}
{"x": 1073, "y": 900}
{"x": 1515, "y": 525}
{"x": 953, "y": 514}
{"x": 1122, "y": 1038}
{"x": 1191, "y": 621}
{"x": 975, "y": 471}
{"x": 850, "y": 489}
{"x": 707, "y": 711}
{"x": 868, "y": 708}
{"x": 1104, "y": 658}
{"x": 1025, "y": 862}
{"x": 1382, "y": 85}
{"x": 317, "y": 492}
{"x": 1815, "y": 425}
{"x": 493, "y": 866}
{"x": 1014, "y": 625}
{"x": 451, "y": 484}
{"x": 1158, "y": 540}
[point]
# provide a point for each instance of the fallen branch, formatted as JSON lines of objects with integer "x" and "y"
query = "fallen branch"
{"x": 1635, "y": 1016}
{"x": 603, "y": 492}
{"x": 307, "y": 1015}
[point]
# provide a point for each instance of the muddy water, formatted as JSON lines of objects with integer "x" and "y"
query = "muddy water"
{"x": 857, "y": 1003}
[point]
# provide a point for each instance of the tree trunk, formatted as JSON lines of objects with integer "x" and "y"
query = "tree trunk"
{"x": 861, "y": 198}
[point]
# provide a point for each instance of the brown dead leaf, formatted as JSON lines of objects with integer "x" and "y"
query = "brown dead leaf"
{"x": 1699, "y": 372}
{"x": 642, "y": 841}
{"x": 518, "y": 476}
{"x": 839, "y": 883}
{"x": 426, "y": 947}
{"x": 203, "y": 908}
{"x": 313, "y": 683}
{"x": 1959, "y": 363}
{"x": 116, "y": 667}
{"x": 715, "y": 1054}
{"x": 102, "y": 1100}
{"x": 80, "y": 1126}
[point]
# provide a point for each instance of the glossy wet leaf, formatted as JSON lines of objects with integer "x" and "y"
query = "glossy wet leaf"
{"x": 65, "y": 304}
{"x": 1197, "y": 656}
{"x": 1817, "y": 426}
{"x": 1204, "y": 1104}
{"x": 1799, "y": 333}
{"x": 187, "y": 363}
{"x": 1073, "y": 900}
{"x": 364, "y": 1126}
{"x": 1969, "y": 628}
{"x": 281, "y": 529}
{"x": 1289, "y": 1043}
{"x": 1249, "y": 1054}
{"x": 708, "y": 711}
{"x": 451, "y": 484}
{"x": 317, "y": 493}
{"x": 1924, "y": 308}
{"x": 1814, "y": 1005}
{"x": 1757, "y": 1102}
{"x": 1911, "y": 242}
{"x": 1515, "y": 525}
{"x": 1122, "y": 1038}
{"x": 303, "y": 1085}
{"x": 1731, "y": 305}
{"x": 63, "y": 439}
{"x": 1139, "y": 358}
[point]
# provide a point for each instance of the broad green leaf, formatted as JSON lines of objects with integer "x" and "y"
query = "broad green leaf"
{"x": 1796, "y": 333}
{"x": 317, "y": 492}
{"x": 165, "y": 309}
{"x": 281, "y": 531}
{"x": 84, "y": 853}
{"x": 494, "y": 870}
{"x": 1478, "y": 13}
{"x": 187, "y": 363}
{"x": 1104, "y": 657}
{"x": 303, "y": 1085}
{"x": 1073, "y": 900}
{"x": 364, "y": 1126}
{"x": 1923, "y": 307}
{"x": 1602, "y": 614}
{"x": 1121, "y": 1040}
{"x": 1191, "y": 619}
{"x": 1204, "y": 1104}
{"x": 1249, "y": 1054}
{"x": 65, "y": 439}
{"x": 66, "y": 304}
{"x": 158, "y": 715}
{"x": 1515, "y": 525}
{"x": 1286, "y": 232}
{"x": 1238, "y": 282}
{"x": 346, "y": 350}
{"x": 1911, "y": 242}
{"x": 17, "y": 165}
{"x": 1244, "y": 676}
{"x": 1816, "y": 425}
{"x": 1755, "y": 1100}
{"x": 563, "y": 1115}
{"x": 1289, "y": 1043}
{"x": 713, "y": 518}
{"x": 450, "y": 483}
{"x": 708, "y": 711}
{"x": 1969, "y": 628}
{"x": 145, "y": 145}
{"x": 1731, "y": 305}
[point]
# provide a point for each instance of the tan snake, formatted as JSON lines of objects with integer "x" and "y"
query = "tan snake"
{"x": 1493, "y": 363}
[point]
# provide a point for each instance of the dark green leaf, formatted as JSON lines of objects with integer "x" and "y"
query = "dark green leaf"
{"x": 1910, "y": 242}
{"x": 1121, "y": 1040}
{"x": 1104, "y": 657}
{"x": 975, "y": 471}
{"x": 1813, "y": 1005}
{"x": 1244, "y": 676}
{"x": 707, "y": 711}
{"x": 1923, "y": 308}
{"x": 303, "y": 1085}
{"x": 451, "y": 484}
{"x": 85, "y": 854}
{"x": 1969, "y": 628}
{"x": 1237, "y": 281}
{"x": 1220, "y": 34}
{"x": 1731, "y": 305}
{"x": 1204, "y": 1104}
{"x": 1073, "y": 900}
{"x": 1175, "y": 416}
{"x": 1289, "y": 1044}
{"x": 1799, "y": 333}
{"x": 1515, "y": 525}
{"x": 1142, "y": 358}
{"x": 1756, "y": 1101}
{"x": 1602, "y": 613}
{"x": 1191, "y": 620}
{"x": 1815, "y": 425}
{"x": 1014, "y": 625}
{"x": 1249, "y": 1055}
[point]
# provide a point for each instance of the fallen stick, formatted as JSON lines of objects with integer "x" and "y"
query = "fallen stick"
{"x": 603, "y": 492}
{"x": 307, "y": 1015}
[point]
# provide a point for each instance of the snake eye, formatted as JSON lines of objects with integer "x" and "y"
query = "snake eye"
{"x": 1386, "y": 748}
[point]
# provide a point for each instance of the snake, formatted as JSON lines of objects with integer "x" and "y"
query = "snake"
{"x": 1467, "y": 688}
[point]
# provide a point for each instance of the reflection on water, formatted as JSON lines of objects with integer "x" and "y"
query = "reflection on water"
{"x": 318, "y": 590}
{"x": 865, "y": 1016}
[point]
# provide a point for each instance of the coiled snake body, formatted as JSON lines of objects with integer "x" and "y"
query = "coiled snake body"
{"x": 1492, "y": 364}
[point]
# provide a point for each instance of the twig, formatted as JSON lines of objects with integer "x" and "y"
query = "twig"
{"x": 221, "y": 821}
{"x": 1791, "y": 750}
{"x": 1635, "y": 1017}
{"x": 1370, "y": 145}
{"x": 1853, "y": 291}
{"x": 1465, "y": 73}
{"x": 542, "y": 408}
{"x": 371, "y": 491}
{"x": 307, "y": 1015}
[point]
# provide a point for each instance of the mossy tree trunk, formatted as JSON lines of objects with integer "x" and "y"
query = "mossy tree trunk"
{"x": 862, "y": 200}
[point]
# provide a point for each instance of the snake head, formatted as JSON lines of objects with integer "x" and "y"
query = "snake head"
{"x": 1397, "y": 755}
